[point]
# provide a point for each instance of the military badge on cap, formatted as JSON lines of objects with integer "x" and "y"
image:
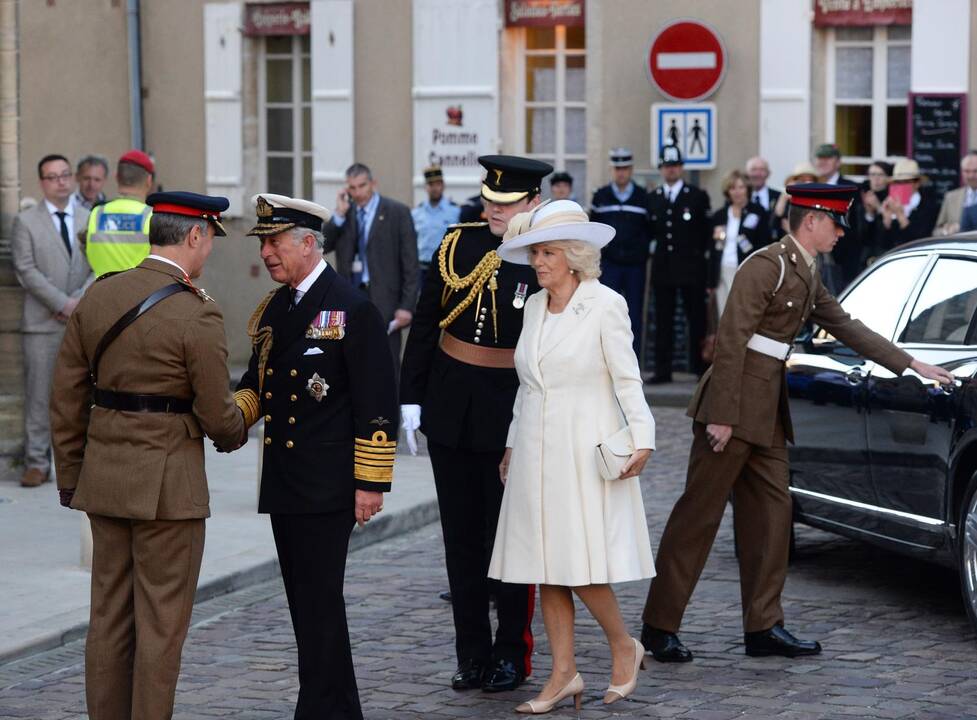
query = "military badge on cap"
{"x": 509, "y": 179}
{"x": 277, "y": 213}
{"x": 317, "y": 387}
{"x": 327, "y": 325}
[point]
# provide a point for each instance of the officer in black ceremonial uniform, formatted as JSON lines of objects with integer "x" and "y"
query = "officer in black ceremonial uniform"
{"x": 458, "y": 384}
{"x": 322, "y": 377}
{"x": 682, "y": 234}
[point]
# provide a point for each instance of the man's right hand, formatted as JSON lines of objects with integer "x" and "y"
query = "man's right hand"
{"x": 718, "y": 436}
{"x": 342, "y": 203}
{"x": 410, "y": 420}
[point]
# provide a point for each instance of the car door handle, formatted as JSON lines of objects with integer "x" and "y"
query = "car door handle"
{"x": 855, "y": 376}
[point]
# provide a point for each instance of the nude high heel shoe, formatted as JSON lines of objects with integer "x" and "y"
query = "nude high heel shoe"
{"x": 619, "y": 692}
{"x": 539, "y": 707}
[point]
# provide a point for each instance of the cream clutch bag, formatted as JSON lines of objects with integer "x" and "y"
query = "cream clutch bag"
{"x": 613, "y": 453}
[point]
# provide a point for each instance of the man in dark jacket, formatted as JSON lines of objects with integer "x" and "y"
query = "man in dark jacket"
{"x": 624, "y": 206}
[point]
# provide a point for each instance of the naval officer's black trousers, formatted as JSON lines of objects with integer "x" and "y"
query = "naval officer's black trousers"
{"x": 312, "y": 554}
{"x": 469, "y": 498}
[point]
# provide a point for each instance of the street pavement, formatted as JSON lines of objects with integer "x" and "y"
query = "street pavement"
{"x": 896, "y": 637}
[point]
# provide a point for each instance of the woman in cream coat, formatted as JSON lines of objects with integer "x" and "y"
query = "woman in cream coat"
{"x": 561, "y": 525}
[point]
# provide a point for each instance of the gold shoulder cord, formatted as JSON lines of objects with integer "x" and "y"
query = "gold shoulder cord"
{"x": 261, "y": 338}
{"x": 483, "y": 274}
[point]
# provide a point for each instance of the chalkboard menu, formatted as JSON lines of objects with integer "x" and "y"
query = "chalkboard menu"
{"x": 937, "y": 132}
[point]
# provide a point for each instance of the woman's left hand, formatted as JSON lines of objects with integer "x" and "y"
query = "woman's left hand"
{"x": 635, "y": 463}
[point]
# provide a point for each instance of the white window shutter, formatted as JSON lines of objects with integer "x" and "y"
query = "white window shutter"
{"x": 456, "y": 66}
{"x": 222, "y": 100}
{"x": 332, "y": 97}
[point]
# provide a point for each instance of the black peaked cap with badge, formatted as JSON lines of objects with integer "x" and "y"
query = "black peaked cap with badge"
{"x": 509, "y": 179}
{"x": 322, "y": 377}
{"x": 191, "y": 204}
{"x": 835, "y": 200}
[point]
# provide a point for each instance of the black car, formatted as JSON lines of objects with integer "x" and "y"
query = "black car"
{"x": 886, "y": 459}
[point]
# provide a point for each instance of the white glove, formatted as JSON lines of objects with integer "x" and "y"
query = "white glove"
{"x": 410, "y": 420}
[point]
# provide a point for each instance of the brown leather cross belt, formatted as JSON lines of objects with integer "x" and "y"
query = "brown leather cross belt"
{"x": 472, "y": 354}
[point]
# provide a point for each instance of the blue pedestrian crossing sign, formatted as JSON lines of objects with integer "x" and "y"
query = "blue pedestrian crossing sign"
{"x": 689, "y": 127}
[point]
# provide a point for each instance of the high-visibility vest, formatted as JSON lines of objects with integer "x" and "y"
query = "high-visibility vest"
{"x": 118, "y": 235}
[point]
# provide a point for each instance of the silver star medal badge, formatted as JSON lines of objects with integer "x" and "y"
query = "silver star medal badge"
{"x": 317, "y": 387}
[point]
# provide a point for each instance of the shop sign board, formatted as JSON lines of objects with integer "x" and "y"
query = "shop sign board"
{"x": 544, "y": 13}
{"x": 284, "y": 18}
{"x": 833, "y": 13}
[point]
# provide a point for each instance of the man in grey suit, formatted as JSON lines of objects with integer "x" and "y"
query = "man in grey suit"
{"x": 54, "y": 272}
{"x": 956, "y": 201}
{"x": 376, "y": 250}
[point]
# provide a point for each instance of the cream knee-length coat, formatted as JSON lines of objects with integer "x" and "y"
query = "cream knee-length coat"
{"x": 561, "y": 523}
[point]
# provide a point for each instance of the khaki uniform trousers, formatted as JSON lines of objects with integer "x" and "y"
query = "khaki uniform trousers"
{"x": 758, "y": 479}
{"x": 144, "y": 578}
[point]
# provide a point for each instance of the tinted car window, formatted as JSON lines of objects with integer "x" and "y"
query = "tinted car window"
{"x": 946, "y": 304}
{"x": 879, "y": 298}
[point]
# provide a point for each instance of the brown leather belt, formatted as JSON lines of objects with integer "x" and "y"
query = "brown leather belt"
{"x": 472, "y": 354}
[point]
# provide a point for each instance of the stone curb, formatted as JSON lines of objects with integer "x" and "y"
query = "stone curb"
{"x": 385, "y": 527}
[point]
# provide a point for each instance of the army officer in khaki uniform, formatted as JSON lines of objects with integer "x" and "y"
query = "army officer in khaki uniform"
{"x": 742, "y": 425}
{"x": 148, "y": 349}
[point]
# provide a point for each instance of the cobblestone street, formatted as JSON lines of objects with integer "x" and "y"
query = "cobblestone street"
{"x": 896, "y": 637}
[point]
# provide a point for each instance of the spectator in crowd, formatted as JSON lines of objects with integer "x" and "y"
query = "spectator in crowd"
{"x": 54, "y": 274}
{"x": 739, "y": 227}
{"x": 680, "y": 226}
{"x": 803, "y": 172}
{"x": 561, "y": 186}
{"x": 758, "y": 171}
{"x": 431, "y": 218}
{"x": 90, "y": 177}
{"x": 949, "y": 219}
{"x": 869, "y": 224}
{"x": 623, "y": 205}
{"x": 842, "y": 264}
{"x": 117, "y": 237}
{"x": 910, "y": 210}
{"x": 376, "y": 249}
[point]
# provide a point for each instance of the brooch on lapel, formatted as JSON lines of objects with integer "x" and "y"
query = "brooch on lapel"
{"x": 317, "y": 387}
{"x": 327, "y": 325}
{"x": 578, "y": 308}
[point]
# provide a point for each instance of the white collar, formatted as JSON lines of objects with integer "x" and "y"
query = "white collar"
{"x": 303, "y": 287}
{"x": 154, "y": 256}
{"x": 69, "y": 209}
{"x": 833, "y": 180}
{"x": 673, "y": 190}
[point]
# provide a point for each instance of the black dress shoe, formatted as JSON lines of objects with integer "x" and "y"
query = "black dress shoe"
{"x": 664, "y": 646}
{"x": 777, "y": 641}
{"x": 468, "y": 676}
{"x": 502, "y": 676}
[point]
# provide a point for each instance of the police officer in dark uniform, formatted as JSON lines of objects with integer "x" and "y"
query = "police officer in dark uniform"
{"x": 623, "y": 205}
{"x": 458, "y": 367}
{"x": 680, "y": 265}
{"x": 322, "y": 377}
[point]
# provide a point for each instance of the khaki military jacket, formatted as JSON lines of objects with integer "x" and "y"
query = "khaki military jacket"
{"x": 142, "y": 465}
{"x": 773, "y": 294}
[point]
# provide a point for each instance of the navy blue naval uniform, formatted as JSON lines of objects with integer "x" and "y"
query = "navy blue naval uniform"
{"x": 624, "y": 260}
{"x": 325, "y": 387}
{"x": 466, "y": 411}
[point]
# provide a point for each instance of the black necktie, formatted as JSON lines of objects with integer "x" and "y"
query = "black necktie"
{"x": 292, "y": 302}
{"x": 64, "y": 231}
{"x": 756, "y": 198}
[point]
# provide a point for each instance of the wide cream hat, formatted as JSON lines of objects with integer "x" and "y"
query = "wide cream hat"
{"x": 553, "y": 220}
{"x": 906, "y": 170}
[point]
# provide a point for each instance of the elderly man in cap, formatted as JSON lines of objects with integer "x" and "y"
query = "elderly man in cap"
{"x": 681, "y": 226}
{"x": 432, "y": 218}
{"x": 322, "y": 377}
{"x": 459, "y": 367}
{"x": 140, "y": 378}
{"x": 742, "y": 426}
{"x": 624, "y": 262}
{"x": 118, "y": 231}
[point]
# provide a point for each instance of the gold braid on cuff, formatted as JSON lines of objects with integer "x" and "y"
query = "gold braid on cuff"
{"x": 247, "y": 400}
{"x": 373, "y": 459}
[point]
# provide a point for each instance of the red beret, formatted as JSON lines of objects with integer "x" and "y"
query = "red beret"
{"x": 138, "y": 157}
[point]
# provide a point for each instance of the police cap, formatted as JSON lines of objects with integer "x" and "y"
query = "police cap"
{"x": 621, "y": 157}
{"x": 835, "y": 200}
{"x": 433, "y": 173}
{"x": 509, "y": 179}
{"x": 669, "y": 155}
{"x": 191, "y": 204}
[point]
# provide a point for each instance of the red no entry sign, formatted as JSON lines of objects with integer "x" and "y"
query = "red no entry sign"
{"x": 687, "y": 60}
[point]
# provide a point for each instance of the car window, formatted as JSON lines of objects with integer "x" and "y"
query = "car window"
{"x": 879, "y": 298}
{"x": 945, "y": 305}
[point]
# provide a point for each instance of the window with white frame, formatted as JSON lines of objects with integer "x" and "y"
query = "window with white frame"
{"x": 551, "y": 120}
{"x": 286, "y": 115}
{"x": 868, "y": 88}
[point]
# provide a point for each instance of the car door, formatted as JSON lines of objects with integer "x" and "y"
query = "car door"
{"x": 830, "y": 475}
{"x": 909, "y": 419}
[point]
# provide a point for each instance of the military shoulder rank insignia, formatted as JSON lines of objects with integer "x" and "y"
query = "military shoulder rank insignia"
{"x": 327, "y": 325}
{"x": 317, "y": 387}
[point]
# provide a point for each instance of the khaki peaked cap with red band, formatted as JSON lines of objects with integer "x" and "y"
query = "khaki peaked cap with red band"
{"x": 835, "y": 200}
{"x": 190, "y": 204}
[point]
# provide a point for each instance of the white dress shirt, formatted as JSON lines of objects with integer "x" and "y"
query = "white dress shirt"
{"x": 762, "y": 196}
{"x": 672, "y": 191}
{"x": 730, "y": 255}
{"x": 153, "y": 256}
{"x": 69, "y": 220}
{"x": 303, "y": 287}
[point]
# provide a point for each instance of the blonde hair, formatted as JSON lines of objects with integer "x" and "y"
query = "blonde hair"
{"x": 581, "y": 256}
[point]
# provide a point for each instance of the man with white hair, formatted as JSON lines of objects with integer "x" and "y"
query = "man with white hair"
{"x": 758, "y": 170}
{"x": 322, "y": 377}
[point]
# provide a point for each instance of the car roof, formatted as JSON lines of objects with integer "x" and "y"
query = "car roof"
{"x": 959, "y": 241}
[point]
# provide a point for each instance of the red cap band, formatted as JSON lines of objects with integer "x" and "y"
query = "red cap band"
{"x": 830, "y": 204}
{"x": 185, "y": 210}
